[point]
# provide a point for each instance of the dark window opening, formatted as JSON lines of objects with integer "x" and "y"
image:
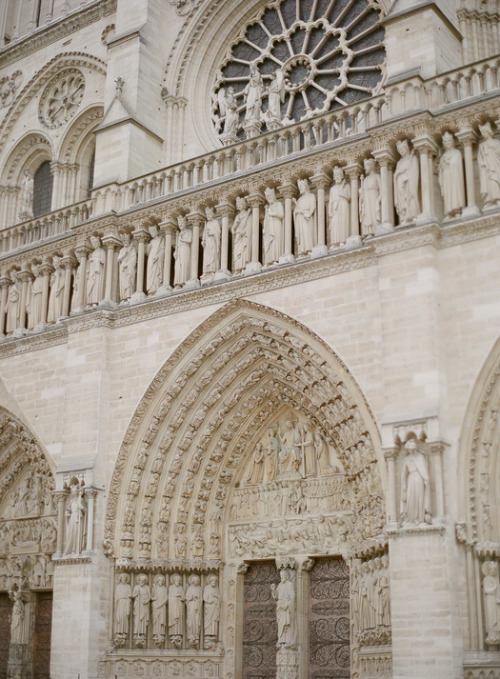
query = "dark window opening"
{"x": 42, "y": 190}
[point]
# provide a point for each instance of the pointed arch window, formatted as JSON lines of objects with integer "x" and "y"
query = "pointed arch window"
{"x": 42, "y": 189}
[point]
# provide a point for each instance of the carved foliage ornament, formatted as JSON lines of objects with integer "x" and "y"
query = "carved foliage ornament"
{"x": 296, "y": 60}
{"x": 61, "y": 98}
{"x": 8, "y": 87}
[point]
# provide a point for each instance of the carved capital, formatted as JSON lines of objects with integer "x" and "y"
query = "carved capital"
{"x": 82, "y": 250}
{"x": 256, "y": 199}
{"x": 288, "y": 190}
{"x": 320, "y": 180}
{"x": 425, "y": 144}
{"x": 225, "y": 209}
{"x": 141, "y": 234}
{"x": 169, "y": 225}
{"x": 353, "y": 170}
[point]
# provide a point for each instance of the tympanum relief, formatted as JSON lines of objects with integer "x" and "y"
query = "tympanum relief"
{"x": 293, "y": 496}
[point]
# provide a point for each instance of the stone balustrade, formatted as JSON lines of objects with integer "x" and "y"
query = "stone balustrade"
{"x": 171, "y": 231}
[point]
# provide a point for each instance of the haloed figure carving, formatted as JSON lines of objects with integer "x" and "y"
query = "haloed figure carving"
{"x": 284, "y": 595}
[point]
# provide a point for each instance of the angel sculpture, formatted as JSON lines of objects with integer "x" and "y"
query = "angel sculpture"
{"x": 228, "y": 109}
{"x": 276, "y": 94}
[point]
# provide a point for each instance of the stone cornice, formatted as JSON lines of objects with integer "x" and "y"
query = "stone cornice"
{"x": 60, "y": 29}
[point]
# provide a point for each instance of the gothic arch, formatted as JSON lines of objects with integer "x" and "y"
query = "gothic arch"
{"x": 30, "y": 152}
{"x": 66, "y": 60}
{"x": 187, "y": 445}
{"x": 479, "y": 458}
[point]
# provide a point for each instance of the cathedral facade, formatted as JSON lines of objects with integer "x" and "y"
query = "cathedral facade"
{"x": 249, "y": 339}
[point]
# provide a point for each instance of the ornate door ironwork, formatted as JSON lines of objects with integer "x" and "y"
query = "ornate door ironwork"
{"x": 5, "y": 613}
{"x": 260, "y": 631}
{"x": 43, "y": 623}
{"x": 329, "y": 625}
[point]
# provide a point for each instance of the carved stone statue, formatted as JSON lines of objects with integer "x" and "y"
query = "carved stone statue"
{"x": 176, "y": 600}
{"x": 95, "y": 272}
{"x": 242, "y": 235}
{"x": 13, "y": 301}
{"x": 212, "y": 606}
{"x": 406, "y": 177}
{"x": 34, "y": 306}
{"x": 211, "y": 242}
{"x": 17, "y": 621}
{"x": 123, "y": 603}
{"x": 75, "y": 513}
{"x": 414, "y": 485}
{"x": 488, "y": 157}
{"x": 491, "y": 597}
{"x": 127, "y": 265}
{"x": 451, "y": 177}
{"x": 182, "y": 254}
{"x": 369, "y": 199}
{"x": 322, "y": 454}
{"x": 289, "y": 454}
{"x": 304, "y": 218}
{"x": 159, "y": 609}
{"x": 253, "y": 94}
{"x": 286, "y": 612}
{"x": 257, "y": 471}
{"x": 339, "y": 207}
{"x": 273, "y": 227}
{"x": 275, "y": 97}
{"x": 193, "y": 610}
{"x": 308, "y": 450}
{"x": 141, "y": 596}
{"x": 26, "y": 197}
{"x": 56, "y": 297}
{"x": 228, "y": 109}
{"x": 270, "y": 455}
{"x": 156, "y": 254}
{"x": 382, "y": 600}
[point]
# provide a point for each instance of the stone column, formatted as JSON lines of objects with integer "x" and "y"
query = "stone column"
{"x": 69, "y": 262}
{"x": 320, "y": 181}
{"x": 353, "y": 171}
{"x": 427, "y": 149}
{"x": 386, "y": 160}
{"x": 141, "y": 235}
{"x": 467, "y": 137}
{"x": 195, "y": 220}
{"x": 60, "y": 498}
{"x": 436, "y": 459}
{"x": 226, "y": 211}
{"x": 169, "y": 227}
{"x": 390, "y": 457}
{"x": 4, "y": 286}
{"x": 57, "y": 173}
{"x": 82, "y": 253}
{"x": 288, "y": 192}
{"x": 112, "y": 243}
{"x": 90, "y": 494}
{"x": 46, "y": 269}
{"x": 255, "y": 200}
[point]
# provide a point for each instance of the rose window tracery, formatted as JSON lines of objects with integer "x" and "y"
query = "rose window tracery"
{"x": 298, "y": 59}
{"x": 61, "y": 98}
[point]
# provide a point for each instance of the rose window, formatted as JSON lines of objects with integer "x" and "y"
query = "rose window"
{"x": 61, "y": 98}
{"x": 298, "y": 59}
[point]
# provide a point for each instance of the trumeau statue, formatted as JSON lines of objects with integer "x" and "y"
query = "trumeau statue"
{"x": 182, "y": 254}
{"x": 156, "y": 254}
{"x": 211, "y": 242}
{"x": 242, "y": 235}
{"x": 304, "y": 218}
{"x": 26, "y": 197}
{"x": 159, "y": 609}
{"x": 273, "y": 227}
{"x": 123, "y": 603}
{"x": 414, "y": 485}
{"x": 339, "y": 207}
{"x": 406, "y": 178}
{"x": 17, "y": 621}
{"x": 212, "y": 607}
{"x": 127, "y": 265}
{"x": 369, "y": 199}
{"x": 286, "y": 611}
{"x": 141, "y": 596}
{"x": 451, "y": 177}
{"x": 56, "y": 297}
{"x": 491, "y": 598}
{"x": 488, "y": 157}
{"x": 176, "y": 598}
{"x": 193, "y": 610}
{"x": 95, "y": 272}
